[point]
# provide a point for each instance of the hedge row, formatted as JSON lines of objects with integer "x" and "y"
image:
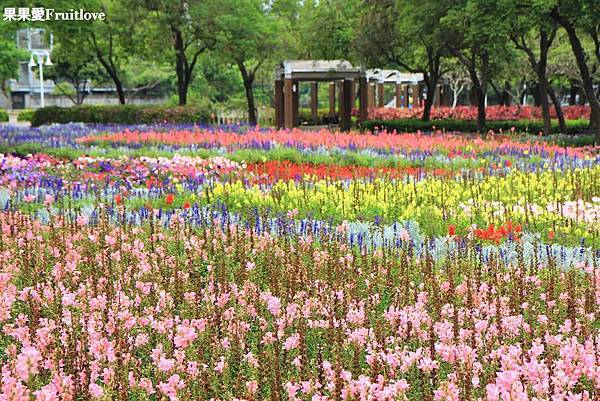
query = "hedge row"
{"x": 120, "y": 114}
{"x": 3, "y": 116}
{"x": 529, "y": 126}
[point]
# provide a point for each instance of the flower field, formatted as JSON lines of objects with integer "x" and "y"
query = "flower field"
{"x": 470, "y": 113}
{"x": 185, "y": 262}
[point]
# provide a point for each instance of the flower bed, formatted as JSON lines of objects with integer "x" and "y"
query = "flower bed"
{"x": 470, "y": 113}
{"x": 297, "y": 265}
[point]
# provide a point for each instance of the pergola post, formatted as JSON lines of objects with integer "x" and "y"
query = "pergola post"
{"x": 363, "y": 98}
{"x": 398, "y": 95}
{"x": 415, "y": 95}
{"x": 437, "y": 96}
{"x": 345, "y": 105}
{"x": 352, "y": 94}
{"x": 296, "y": 99}
{"x": 288, "y": 102}
{"x": 405, "y": 96}
{"x": 279, "y": 103}
{"x": 332, "y": 100}
{"x": 380, "y": 93}
{"x": 371, "y": 90}
{"x": 314, "y": 102}
{"x": 446, "y": 96}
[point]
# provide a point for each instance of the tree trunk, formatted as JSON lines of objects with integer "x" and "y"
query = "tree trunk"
{"x": 431, "y": 77}
{"x": 248, "y": 79}
{"x": 559, "y": 114}
{"x": 543, "y": 82}
{"x": 180, "y": 68}
{"x": 584, "y": 73}
{"x": 455, "y": 94}
{"x": 573, "y": 95}
{"x": 252, "y": 118}
{"x": 428, "y": 102}
{"x": 536, "y": 95}
{"x": 480, "y": 95}
{"x": 112, "y": 73}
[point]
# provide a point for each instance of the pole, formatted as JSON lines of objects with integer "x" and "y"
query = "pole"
{"x": 41, "y": 80}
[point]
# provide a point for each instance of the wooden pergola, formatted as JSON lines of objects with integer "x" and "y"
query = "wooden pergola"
{"x": 337, "y": 72}
{"x": 407, "y": 85}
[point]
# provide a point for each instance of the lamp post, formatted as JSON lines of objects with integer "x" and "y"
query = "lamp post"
{"x": 40, "y": 62}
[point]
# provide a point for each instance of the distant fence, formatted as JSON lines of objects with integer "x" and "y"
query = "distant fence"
{"x": 229, "y": 117}
{"x": 264, "y": 115}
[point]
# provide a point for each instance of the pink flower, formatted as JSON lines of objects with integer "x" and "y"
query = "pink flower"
{"x": 95, "y": 390}
{"x": 252, "y": 386}
{"x": 291, "y": 342}
{"x": 166, "y": 364}
{"x": 185, "y": 336}
{"x": 171, "y": 387}
{"x": 27, "y": 363}
{"x": 220, "y": 366}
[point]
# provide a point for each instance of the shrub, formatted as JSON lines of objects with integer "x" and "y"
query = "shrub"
{"x": 413, "y": 125}
{"x": 120, "y": 114}
{"x": 25, "y": 115}
{"x": 3, "y": 116}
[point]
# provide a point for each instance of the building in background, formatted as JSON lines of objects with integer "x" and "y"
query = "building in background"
{"x": 25, "y": 90}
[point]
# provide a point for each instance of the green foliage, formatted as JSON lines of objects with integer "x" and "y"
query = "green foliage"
{"x": 520, "y": 126}
{"x": 122, "y": 114}
{"x": 9, "y": 55}
{"x": 25, "y": 115}
{"x": 3, "y": 116}
{"x": 328, "y": 28}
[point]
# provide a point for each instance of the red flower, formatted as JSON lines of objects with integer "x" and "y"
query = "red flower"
{"x": 551, "y": 235}
{"x": 451, "y": 230}
{"x": 169, "y": 199}
{"x": 118, "y": 199}
{"x": 186, "y": 204}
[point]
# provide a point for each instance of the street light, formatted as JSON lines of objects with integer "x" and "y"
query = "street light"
{"x": 40, "y": 62}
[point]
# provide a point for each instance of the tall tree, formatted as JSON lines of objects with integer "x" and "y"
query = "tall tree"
{"x": 73, "y": 71}
{"x": 111, "y": 40}
{"x": 577, "y": 16}
{"x": 328, "y": 28}
{"x": 9, "y": 57}
{"x": 533, "y": 32}
{"x": 406, "y": 34}
{"x": 249, "y": 34}
{"x": 475, "y": 32}
{"x": 186, "y": 27}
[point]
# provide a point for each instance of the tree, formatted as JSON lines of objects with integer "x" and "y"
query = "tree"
{"x": 407, "y": 34}
{"x": 575, "y": 16}
{"x": 9, "y": 57}
{"x": 475, "y": 33}
{"x": 77, "y": 68}
{"x": 187, "y": 27}
{"x": 458, "y": 78}
{"x": 531, "y": 27}
{"x": 328, "y": 29}
{"x": 111, "y": 40}
{"x": 249, "y": 34}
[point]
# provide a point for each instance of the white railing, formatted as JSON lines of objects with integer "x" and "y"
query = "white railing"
{"x": 230, "y": 117}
